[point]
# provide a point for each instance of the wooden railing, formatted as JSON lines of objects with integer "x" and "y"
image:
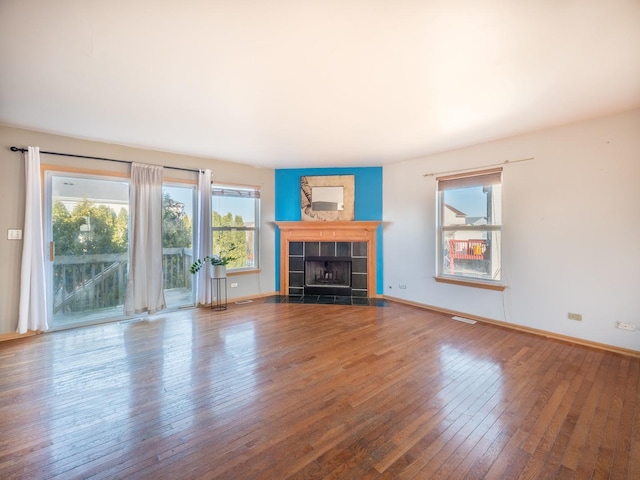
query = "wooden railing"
{"x": 175, "y": 265}
{"x": 466, "y": 250}
{"x": 90, "y": 282}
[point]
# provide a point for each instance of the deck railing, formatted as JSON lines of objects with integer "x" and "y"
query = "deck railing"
{"x": 89, "y": 282}
{"x": 466, "y": 250}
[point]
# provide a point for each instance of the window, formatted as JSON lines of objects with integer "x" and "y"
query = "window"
{"x": 234, "y": 225}
{"x": 470, "y": 226}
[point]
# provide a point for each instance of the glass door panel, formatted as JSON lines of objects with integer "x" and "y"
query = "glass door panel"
{"x": 177, "y": 244}
{"x": 87, "y": 220}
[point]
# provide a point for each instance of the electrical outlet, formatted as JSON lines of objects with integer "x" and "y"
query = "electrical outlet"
{"x": 627, "y": 326}
{"x": 234, "y": 285}
{"x": 575, "y": 316}
{"x": 402, "y": 285}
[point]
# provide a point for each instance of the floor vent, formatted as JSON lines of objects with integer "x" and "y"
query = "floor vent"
{"x": 465, "y": 320}
{"x": 242, "y": 302}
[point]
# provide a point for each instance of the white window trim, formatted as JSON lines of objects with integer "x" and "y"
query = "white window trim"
{"x": 459, "y": 181}
{"x": 241, "y": 191}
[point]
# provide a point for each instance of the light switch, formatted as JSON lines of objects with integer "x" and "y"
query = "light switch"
{"x": 14, "y": 235}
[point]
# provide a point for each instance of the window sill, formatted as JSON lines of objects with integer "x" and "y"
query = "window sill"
{"x": 233, "y": 273}
{"x": 472, "y": 283}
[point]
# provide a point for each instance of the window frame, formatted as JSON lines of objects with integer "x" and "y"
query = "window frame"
{"x": 48, "y": 172}
{"x": 459, "y": 181}
{"x": 239, "y": 191}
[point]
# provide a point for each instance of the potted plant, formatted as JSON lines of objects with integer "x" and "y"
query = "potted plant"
{"x": 219, "y": 263}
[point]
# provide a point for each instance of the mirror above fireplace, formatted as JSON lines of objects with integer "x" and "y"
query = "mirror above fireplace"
{"x": 327, "y": 198}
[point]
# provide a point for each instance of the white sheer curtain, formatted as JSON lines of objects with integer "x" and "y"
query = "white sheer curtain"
{"x": 204, "y": 248}
{"x": 145, "y": 289}
{"x": 33, "y": 310}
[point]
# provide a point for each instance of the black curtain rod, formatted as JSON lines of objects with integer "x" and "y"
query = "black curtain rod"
{"x": 18, "y": 149}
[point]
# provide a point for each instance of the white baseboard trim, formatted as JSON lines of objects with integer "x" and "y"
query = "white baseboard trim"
{"x": 521, "y": 328}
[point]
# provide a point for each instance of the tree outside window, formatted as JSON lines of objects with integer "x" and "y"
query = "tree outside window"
{"x": 234, "y": 223}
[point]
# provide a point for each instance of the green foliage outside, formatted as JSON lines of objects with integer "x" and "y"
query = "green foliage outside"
{"x": 97, "y": 229}
{"x": 231, "y": 243}
{"x": 176, "y": 224}
{"x": 89, "y": 229}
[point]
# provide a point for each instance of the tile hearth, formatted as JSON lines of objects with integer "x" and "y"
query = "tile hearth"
{"x": 327, "y": 300}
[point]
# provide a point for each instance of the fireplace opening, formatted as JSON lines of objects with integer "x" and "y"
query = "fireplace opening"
{"x": 327, "y": 276}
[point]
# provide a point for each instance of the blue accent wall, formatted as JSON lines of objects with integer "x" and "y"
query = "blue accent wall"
{"x": 368, "y": 203}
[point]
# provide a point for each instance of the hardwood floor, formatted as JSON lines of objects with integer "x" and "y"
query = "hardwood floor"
{"x": 287, "y": 391}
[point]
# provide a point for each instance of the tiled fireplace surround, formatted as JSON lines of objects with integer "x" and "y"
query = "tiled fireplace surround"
{"x": 327, "y": 240}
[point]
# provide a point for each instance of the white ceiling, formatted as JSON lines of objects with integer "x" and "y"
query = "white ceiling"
{"x": 291, "y": 83}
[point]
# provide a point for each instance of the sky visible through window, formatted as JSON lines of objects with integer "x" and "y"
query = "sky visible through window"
{"x": 180, "y": 194}
{"x": 471, "y": 201}
{"x": 244, "y": 207}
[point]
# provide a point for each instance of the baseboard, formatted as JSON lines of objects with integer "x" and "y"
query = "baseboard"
{"x": 240, "y": 299}
{"x": 251, "y": 297}
{"x": 377, "y": 295}
{"x": 521, "y": 328}
{"x": 12, "y": 336}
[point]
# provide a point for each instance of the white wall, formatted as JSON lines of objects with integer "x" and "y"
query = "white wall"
{"x": 571, "y": 235}
{"x": 12, "y": 201}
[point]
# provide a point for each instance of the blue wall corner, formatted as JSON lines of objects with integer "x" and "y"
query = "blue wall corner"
{"x": 368, "y": 204}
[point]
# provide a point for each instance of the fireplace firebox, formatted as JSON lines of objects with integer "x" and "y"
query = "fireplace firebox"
{"x": 327, "y": 276}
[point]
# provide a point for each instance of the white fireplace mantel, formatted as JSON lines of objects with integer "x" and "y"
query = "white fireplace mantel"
{"x": 328, "y": 232}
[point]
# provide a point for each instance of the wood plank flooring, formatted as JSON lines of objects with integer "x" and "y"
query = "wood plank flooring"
{"x": 286, "y": 391}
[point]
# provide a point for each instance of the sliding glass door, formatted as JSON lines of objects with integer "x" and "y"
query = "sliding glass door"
{"x": 87, "y": 237}
{"x": 86, "y": 234}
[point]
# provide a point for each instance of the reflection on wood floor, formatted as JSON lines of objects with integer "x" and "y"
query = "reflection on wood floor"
{"x": 270, "y": 390}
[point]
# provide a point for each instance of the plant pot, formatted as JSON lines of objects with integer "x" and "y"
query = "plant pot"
{"x": 219, "y": 271}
